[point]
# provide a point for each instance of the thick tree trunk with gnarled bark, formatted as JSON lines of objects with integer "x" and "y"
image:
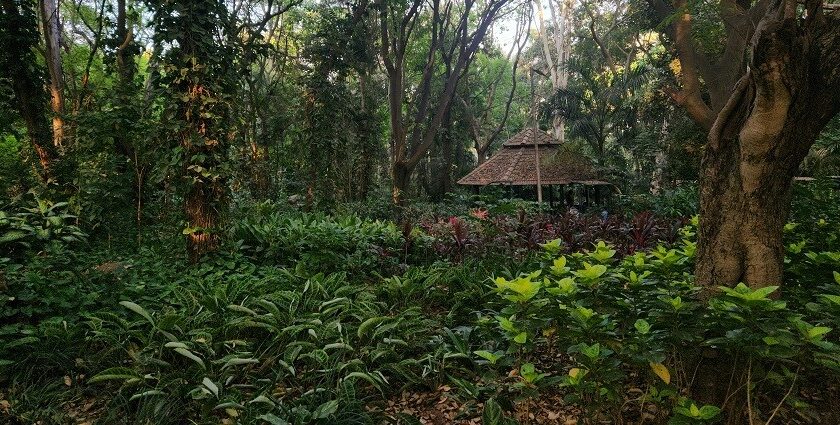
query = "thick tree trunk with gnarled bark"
{"x": 758, "y": 141}
{"x": 754, "y": 150}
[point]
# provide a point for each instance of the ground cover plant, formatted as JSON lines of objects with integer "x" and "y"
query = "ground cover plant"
{"x": 313, "y": 319}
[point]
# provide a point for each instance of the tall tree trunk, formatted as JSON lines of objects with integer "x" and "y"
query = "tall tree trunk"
{"x": 52, "y": 37}
{"x": 18, "y": 36}
{"x": 557, "y": 61}
{"x": 401, "y": 175}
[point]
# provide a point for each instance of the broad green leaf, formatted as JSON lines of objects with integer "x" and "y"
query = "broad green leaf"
{"x": 642, "y": 326}
{"x": 139, "y": 310}
{"x": 210, "y": 385}
{"x": 190, "y": 355}
{"x": 490, "y": 357}
{"x": 492, "y": 414}
{"x": 114, "y": 373}
{"x": 262, "y": 399}
{"x": 709, "y": 412}
{"x": 146, "y": 394}
{"x": 272, "y": 419}
{"x": 369, "y": 324}
{"x": 239, "y": 362}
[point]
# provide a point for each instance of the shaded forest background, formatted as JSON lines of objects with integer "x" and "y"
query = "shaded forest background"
{"x": 294, "y": 96}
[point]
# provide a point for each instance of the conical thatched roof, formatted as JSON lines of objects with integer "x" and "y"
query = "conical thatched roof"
{"x": 515, "y": 164}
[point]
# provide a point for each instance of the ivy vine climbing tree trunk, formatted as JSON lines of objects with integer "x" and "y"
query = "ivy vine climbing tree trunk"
{"x": 457, "y": 28}
{"x": 18, "y": 37}
{"x": 198, "y": 68}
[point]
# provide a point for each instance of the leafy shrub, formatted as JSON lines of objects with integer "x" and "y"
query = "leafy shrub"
{"x": 316, "y": 242}
{"x": 37, "y": 227}
{"x": 638, "y": 323}
{"x": 682, "y": 201}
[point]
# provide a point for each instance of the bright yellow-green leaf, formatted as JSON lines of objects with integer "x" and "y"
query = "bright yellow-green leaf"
{"x": 695, "y": 412}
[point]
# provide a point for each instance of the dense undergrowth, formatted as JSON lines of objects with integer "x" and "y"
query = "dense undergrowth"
{"x": 309, "y": 318}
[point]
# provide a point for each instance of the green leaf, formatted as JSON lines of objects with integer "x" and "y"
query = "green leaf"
{"x": 591, "y": 272}
{"x": 22, "y": 341}
{"x": 695, "y": 412}
{"x": 238, "y": 362}
{"x": 558, "y": 267}
{"x": 114, "y": 373}
{"x": 506, "y": 324}
{"x": 190, "y": 355}
{"x": 709, "y": 412}
{"x": 520, "y": 338}
{"x": 210, "y": 385}
{"x": 12, "y": 235}
{"x": 591, "y": 351}
{"x": 832, "y": 298}
{"x": 818, "y": 331}
{"x": 492, "y": 414}
{"x": 490, "y": 357}
{"x": 325, "y": 410}
{"x": 642, "y": 326}
{"x": 367, "y": 377}
{"x": 272, "y": 419}
{"x": 369, "y": 324}
{"x": 139, "y": 310}
{"x": 242, "y": 309}
{"x": 262, "y": 399}
{"x": 146, "y": 394}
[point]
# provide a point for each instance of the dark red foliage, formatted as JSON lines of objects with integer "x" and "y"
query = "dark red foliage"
{"x": 515, "y": 236}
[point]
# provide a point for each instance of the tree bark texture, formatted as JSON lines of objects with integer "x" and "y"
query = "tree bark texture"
{"x": 790, "y": 91}
{"x": 18, "y": 36}
{"x": 52, "y": 38}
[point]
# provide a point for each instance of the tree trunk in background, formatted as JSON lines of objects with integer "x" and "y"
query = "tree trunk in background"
{"x": 202, "y": 92}
{"x": 52, "y": 37}
{"x": 482, "y": 153}
{"x": 125, "y": 127}
{"x": 401, "y": 175}
{"x": 446, "y": 152}
{"x": 125, "y": 36}
{"x": 558, "y": 60}
{"x": 366, "y": 132}
{"x": 18, "y": 36}
{"x": 201, "y": 213}
{"x": 396, "y": 26}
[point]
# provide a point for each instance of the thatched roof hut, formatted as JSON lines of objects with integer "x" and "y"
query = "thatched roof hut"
{"x": 514, "y": 164}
